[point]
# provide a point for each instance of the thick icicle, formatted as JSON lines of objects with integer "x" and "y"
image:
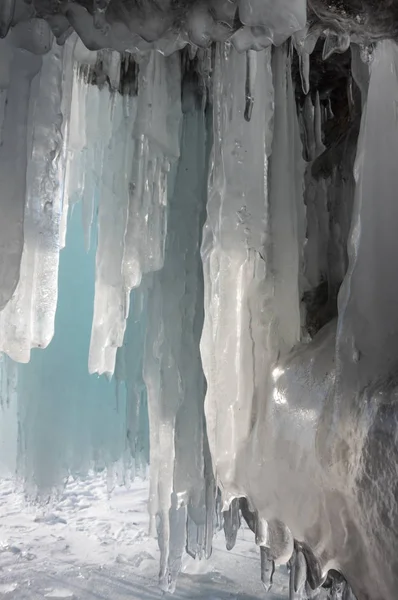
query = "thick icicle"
{"x": 28, "y": 319}
{"x": 21, "y": 67}
{"x": 287, "y": 216}
{"x": 134, "y": 158}
{"x": 181, "y": 482}
{"x": 156, "y": 140}
{"x": 112, "y": 156}
{"x": 231, "y": 523}
{"x": 235, "y": 333}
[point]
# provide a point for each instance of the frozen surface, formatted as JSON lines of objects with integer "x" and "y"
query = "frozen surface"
{"x": 86, "y": 546}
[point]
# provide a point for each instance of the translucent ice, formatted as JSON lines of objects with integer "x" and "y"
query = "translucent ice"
{"x": 28, "y": 319}
{"x": 235, "y": 334}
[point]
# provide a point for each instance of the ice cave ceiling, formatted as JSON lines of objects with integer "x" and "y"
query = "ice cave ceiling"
{"x": 198, "y": 207}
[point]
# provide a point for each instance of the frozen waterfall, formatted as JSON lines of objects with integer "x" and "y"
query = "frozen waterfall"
{"x": 198, "y": 215}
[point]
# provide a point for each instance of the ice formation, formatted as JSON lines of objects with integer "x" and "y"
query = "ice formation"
{"x": 197, "y": 271}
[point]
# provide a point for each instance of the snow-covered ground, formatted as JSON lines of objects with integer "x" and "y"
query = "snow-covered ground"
{"x": 87, "y": 546}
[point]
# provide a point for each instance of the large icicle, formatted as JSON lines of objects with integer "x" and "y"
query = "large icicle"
{"x": 142, "y": 143}
{"x": 112, "y": 157}
{"x": 18, "y": 69}
{"x": 259, "y": 464}
{"x": 181, "y": 481}
{"x": 28, "y": 319}
{"x": 286, "y": 213}
{"x": 156, "y": 140}
{"x": 252, "y": 255}
{"x": 236, "y": 328}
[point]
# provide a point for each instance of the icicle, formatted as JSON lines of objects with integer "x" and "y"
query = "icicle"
{"x": 319, "y": 147}
{"x": 287, "y": 216}
{"x": 111, "y": 157}
{"x": 360, "y": 72}
{"x": 235, "y": 331}
{"x": 252, "y": 254}
{"x": 250, "y": 78}
{"x": 299, "y": 39}
{"x": 143, "y": 132}
{"x": 300, "y": 571}
{"x": 231, "y": 523}
{"x": 28, "y": 319}
{"x": 267, "y": 568}
{"x": 13, "y": 163}
{"x": 181, "y": 482}
{"x": 156, "y": 133}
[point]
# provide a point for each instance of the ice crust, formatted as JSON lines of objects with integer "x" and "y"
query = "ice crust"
{"x": 215, "y": 217}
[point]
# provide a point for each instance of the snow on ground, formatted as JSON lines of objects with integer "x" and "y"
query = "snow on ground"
{"x": 87, "y": 546}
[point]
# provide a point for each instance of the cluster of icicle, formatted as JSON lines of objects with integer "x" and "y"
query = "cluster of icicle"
{"x": 140, "y": 160}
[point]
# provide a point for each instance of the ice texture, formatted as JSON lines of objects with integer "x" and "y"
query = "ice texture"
{"x": 28, "y": 319}
{"x": 229, "y": 256}
{"x": 181, "y": 483}
{"x": 281, "y": 18}
{"x": 137, "y": 142}
{"x": 234, "y": 340}
{"x": 20, "y": 68}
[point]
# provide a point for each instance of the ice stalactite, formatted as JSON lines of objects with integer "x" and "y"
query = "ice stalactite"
{"x": 253, "y": 254}
{"x": 28, "y": 319}
{"x": 315, "y": 196}
{"x": 143, "y": 134}
{"x": 156, "y": 145}
{"x": 182, "y": 490}
{"x": 110, "y": 158}
{"x": 18, "y": 70}
{"x": 284, "y": 250}
{"x": 237, "y": 290}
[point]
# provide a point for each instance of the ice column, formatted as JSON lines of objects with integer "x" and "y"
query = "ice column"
{"x": 18, "y": 68}
{"x": 28, "y": 319}
{"x": 182, "y": 485}
{"x": 234, "y": 345}
{"x": 277, "y": 326}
